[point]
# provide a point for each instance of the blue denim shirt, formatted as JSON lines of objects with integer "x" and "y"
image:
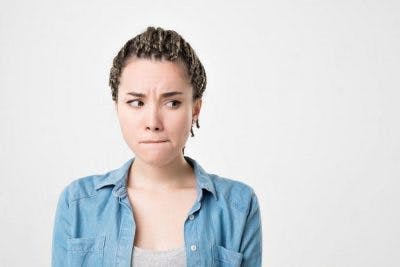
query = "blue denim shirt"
{"x": 94, "y": 224}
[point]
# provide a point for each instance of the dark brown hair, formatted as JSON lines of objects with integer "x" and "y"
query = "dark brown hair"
{"x": 157, "y": 43}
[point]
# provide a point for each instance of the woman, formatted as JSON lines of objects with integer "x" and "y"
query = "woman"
{"x": 160, "y": 208}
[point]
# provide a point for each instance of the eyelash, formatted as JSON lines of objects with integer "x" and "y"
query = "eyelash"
{"x": 176, "y": 101}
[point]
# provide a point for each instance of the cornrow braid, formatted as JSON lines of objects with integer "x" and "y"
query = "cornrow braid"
{"x": 157, "y": 43}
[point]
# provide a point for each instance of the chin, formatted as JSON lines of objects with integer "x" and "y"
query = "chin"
{"x": 156, "y": 158}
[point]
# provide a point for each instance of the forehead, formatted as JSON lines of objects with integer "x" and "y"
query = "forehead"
{"x": 150, "y": 74}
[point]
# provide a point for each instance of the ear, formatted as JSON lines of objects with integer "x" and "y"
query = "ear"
{"x": 197, "y": 108}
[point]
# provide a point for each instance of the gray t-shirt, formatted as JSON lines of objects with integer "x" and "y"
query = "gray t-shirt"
{"x": 158, "y": 258}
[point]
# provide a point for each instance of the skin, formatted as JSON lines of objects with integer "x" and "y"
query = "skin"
{"x": 161, "y": 184}
{"x": 156, "y": 166}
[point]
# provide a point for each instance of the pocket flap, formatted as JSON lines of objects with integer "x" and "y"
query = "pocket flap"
{"x": 86, "y": 244}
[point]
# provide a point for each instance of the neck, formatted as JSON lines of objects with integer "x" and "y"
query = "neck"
{"x": 175, "y": 174}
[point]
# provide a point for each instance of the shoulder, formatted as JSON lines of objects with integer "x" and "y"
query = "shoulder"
{"x": 83, "y": 187}
{"x": 238, "y": 193}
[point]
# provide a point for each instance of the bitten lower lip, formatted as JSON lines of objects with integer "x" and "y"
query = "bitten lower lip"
{"x": 155, "y": 142}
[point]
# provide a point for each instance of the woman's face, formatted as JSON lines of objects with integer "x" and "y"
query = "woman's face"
{"x": 155, "y": 104}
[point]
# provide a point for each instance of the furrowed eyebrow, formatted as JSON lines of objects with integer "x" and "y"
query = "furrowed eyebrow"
{"x": 167, "y": 94}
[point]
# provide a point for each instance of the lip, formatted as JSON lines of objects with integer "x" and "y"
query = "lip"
{"x": 154, "y": 141}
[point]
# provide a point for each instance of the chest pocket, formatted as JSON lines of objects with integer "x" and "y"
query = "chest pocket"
{"x": 223, "y": 257}
{"x": 85, "y": 251}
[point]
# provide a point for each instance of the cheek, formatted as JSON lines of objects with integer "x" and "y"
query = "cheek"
{"x": 180, "y": 123}
{"x": 127, "y": 123}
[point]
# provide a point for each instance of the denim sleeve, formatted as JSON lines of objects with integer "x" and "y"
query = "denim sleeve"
{"x": 251, "y": 245}
{"x": 61, "y": 231}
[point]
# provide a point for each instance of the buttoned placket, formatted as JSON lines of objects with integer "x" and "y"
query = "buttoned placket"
{"x": 191, "y": 233}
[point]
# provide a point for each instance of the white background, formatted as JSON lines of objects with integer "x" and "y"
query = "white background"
{"x": 302, "y": 103}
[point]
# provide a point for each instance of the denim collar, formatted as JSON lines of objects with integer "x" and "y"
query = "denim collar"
{"x": 118, "y": 178}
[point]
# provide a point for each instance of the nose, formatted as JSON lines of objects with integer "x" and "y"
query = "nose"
{"x": 153, "y": 122}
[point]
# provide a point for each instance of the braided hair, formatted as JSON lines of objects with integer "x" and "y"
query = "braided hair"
{"x": 158, "y": 43}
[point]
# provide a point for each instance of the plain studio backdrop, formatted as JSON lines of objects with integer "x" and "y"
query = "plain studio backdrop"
{"x": 302, "y": 103}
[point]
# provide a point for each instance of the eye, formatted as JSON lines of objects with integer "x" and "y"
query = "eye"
{"x": 130, "y": 101}
{"x": 177, "y": 103}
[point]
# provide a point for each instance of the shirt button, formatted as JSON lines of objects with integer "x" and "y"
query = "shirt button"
{"x": 191, "y": 217}
{"x": 193, "y": 247}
